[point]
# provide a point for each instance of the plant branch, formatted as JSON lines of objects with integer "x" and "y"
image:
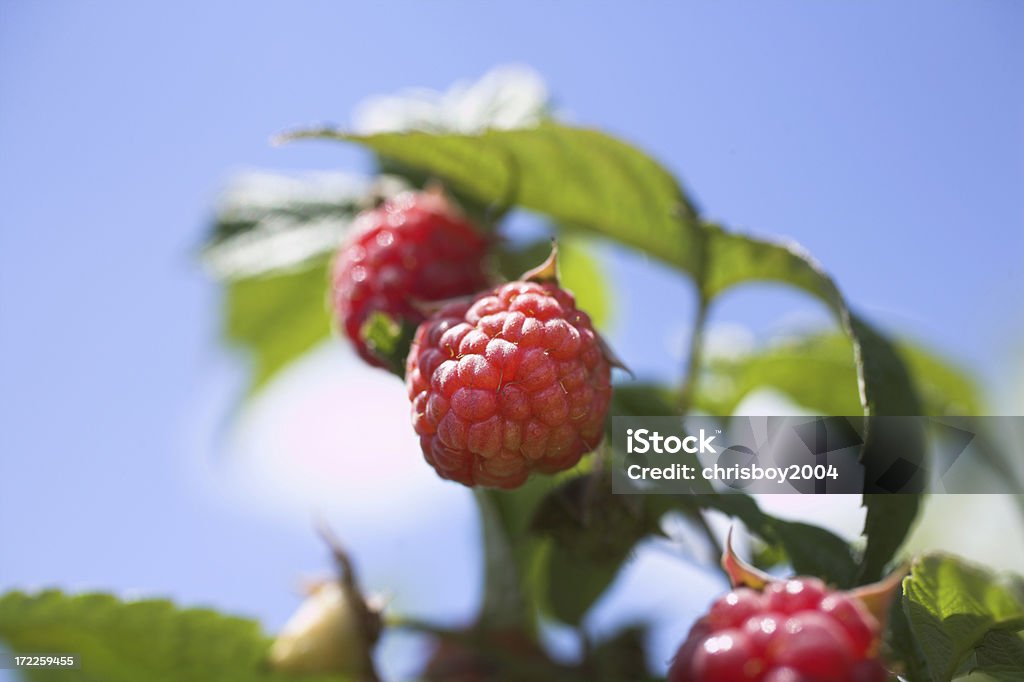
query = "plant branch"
{"x": 694, "y": 364}
{"x": 695, "y": 356}
{"x": 709, "y": 533}
{"x": 368, "y": 619}
{"x": 695, "y": 352}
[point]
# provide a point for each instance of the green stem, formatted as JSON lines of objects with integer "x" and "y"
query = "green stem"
{"x": 716, "y": 546}
{"x": 691, "y": 379}
{"x": 504, "y": 604}
{"x": 695, "y": 355}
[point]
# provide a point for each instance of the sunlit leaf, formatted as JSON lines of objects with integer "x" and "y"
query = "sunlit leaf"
{"x": 953, "y": 607}
{"x": 577, "y": 176}
{"x": 818, "y": 371}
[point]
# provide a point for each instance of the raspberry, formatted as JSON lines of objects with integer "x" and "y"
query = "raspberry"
{"x": 414, "y": 247}
{"x": 860, "y": 625}
{"x": 785, "y": 675}
{"x": 727, "y": 656}
{"x": 792, "y": 596}
{"x": 511, "y": 382}
{"x": 694, "y": 641}
{"x": 734, "y": 608}
{"x": 868, "y": 671}
{"x": 794, "y": 631}
{"x": 815, "y": 645}
{"x": 763, "y": 629}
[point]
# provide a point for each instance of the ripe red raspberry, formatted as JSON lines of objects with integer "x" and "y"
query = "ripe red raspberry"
{"x": 511, "y": 382}
{"x": 794, "y": 631}
{"x": 414, "y": 247}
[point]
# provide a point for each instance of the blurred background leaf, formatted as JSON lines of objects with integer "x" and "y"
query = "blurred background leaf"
{"x": 119, "y": 641}
{"x": 276, "y": 318}
{"x": 269, "y": 222}
{"x": 817, "y": 371}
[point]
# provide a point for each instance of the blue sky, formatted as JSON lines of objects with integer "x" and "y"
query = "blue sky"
{"x": 886, "y": 138}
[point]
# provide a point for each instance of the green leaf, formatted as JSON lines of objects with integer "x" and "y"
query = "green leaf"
{"x": 621, "y": 657}
{"x": 903, "y": 648}
{"x": 268, "y": 222}
{"x": 277, "y": 318}
{"x": 944, "y": 387}
{"x": 734, "y": 258}
{"x": 889, "y": 390}
{"x": 572, "y": 584}
{"x": 811, "y": 550}
{"x": 140, "y": 640}
{"x": 1000, "y": 655}
{"x": 579, "y": 177}
{"x": 952, "y": 607}
{"x": 886, "y": 386}
{"x": 591, "y": 533}
{"x": 887, "y": 523}
{"x": 583, "y": 516}
{"x": 817, "y": 372}
{"x": 389, "y": 339}
{"x": 644, "y": 399}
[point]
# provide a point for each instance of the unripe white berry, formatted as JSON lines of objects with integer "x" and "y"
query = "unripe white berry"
{"x": 322, "y": 636}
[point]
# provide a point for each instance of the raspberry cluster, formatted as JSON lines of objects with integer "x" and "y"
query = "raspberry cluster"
{"x": 508, "y": 382}
{"x": 514, "y": 381}
{"x": 795, "y": 631}
{"x": 415, "y": 247}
